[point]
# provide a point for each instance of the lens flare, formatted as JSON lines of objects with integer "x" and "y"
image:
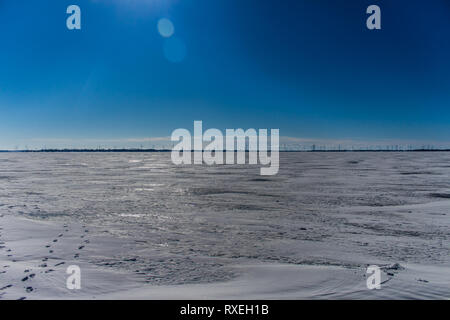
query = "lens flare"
{"x": 165, "y": 28}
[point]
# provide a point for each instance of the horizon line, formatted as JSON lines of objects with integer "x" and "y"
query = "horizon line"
{"x": 359, "y": 149}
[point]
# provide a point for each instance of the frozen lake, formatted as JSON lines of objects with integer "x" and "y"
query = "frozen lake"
{"x": 183, "y": 226}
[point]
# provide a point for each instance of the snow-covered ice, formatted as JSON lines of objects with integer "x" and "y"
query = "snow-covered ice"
{"x": 141, "y": 228}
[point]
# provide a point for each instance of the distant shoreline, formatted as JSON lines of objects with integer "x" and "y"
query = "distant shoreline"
{"x": 168, "y": 150}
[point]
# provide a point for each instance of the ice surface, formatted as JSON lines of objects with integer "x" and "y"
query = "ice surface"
{"x": 215, "y": 230}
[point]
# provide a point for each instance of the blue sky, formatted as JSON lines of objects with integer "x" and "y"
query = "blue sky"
{"x": 309, "y": 68}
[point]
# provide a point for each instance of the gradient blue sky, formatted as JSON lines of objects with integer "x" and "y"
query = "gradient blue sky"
{"x": 309, "y": 68}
